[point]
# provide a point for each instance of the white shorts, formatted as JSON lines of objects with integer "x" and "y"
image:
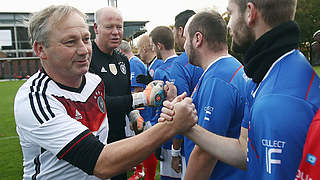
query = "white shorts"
{"x": 165, "y": 166}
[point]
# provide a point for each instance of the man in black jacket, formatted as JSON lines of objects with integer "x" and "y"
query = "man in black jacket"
{"x": 113, "y": 67}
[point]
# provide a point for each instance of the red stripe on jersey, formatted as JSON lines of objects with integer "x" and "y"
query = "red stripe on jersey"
{"x": 253, "y": 149}
{"x": 314, "y": 73}
{"x": 60, "y": 157}
{"x": 90, "y": 113}
{"x": 235, "y": 73}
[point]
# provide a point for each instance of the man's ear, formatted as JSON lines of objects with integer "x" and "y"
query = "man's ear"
{"x": 198, "y": 39}
{"x": 180, "y": 32}
{"x": 39, "y": 50}
{"x": 160, "y": 46}
{"x": 95, "y": 28}
{"x": 252, "y": 14}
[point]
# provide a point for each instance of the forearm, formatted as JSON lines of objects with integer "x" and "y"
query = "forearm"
{"x": 229, "y": 150}
{"x": 119, "y": 104}
{"x": 120, "y": 156}
{"x": 200, "y": 161}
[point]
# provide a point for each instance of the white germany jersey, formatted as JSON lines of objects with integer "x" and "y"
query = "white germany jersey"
{"x": 51, "y": 120}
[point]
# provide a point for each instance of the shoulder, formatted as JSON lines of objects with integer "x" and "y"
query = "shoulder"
{"x": 120, "y": 56}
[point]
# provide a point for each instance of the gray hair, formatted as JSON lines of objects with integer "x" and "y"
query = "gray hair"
{"x": 103, "y": 10}
{"x": 39, "y": 26}
{"x": 125, "y": 46}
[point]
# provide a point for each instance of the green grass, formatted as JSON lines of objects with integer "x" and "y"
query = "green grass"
{"x": 317, "y": 69}
{"x": 10, "y": 151}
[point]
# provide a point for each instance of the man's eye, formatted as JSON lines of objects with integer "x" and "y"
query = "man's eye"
{"x": 70, "y": 42}
{"x": 86, "y": 40}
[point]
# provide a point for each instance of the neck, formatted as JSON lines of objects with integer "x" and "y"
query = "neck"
{"x": 69, "y": 81}
{"x": 103, "y": 48}
{"x": 211, "y": 57}
{"x": 150, "y": 58}
{"x": 260, "y": 29}
{"x": 128, "y": 54}
{"x": 167, "y": 53}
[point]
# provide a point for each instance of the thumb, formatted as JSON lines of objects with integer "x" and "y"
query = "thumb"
{"x": 179, "y": 98}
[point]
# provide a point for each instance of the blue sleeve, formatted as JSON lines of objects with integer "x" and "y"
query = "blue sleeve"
{"x": 137, "y": 68}
{"x": 180, "y": 78}
{"x": 216, "y": 106}
{"x": 156, "y": 110}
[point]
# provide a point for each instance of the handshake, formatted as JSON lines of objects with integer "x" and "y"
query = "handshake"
{"x": 153, "y": 95}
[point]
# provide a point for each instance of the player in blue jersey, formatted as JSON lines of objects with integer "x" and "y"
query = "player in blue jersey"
{"x": 136, "y": 124}
{"x": 163, "y": 42}
{"x": 185, "y": 77}
{"x": 283, "y": 92}
{"x": 219, "y": 96}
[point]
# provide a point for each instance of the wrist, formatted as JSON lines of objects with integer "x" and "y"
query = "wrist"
{"x": 139, "y": 100}
{"x": 175, "y": 152}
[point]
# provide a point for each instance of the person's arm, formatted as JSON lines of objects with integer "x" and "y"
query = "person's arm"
{"x": 229, "y": 150}
{"x": 119, "y": 104}
{"x": 176, "y": 162}
{"x": 120, "y": 156}
{"x": 200, "y": 160}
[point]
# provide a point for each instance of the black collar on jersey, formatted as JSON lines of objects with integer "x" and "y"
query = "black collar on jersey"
{"x": 270, "y": 47}
{"x": 77, "y": 90}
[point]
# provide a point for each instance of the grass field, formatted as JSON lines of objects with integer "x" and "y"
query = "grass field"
{"x": 10, "y": 151}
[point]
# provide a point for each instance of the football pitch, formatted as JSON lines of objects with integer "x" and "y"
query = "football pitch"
{"x": 10, "y": 151}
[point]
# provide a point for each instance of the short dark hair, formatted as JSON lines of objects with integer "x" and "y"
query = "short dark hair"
{"x": 163, "y": 35}
{"x": 274, "y": 12}
{"x": 182, "y": 18}
{"x": 212, "y": 26}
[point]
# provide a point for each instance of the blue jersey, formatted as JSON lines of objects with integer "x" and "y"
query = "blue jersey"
{"x": 185, "y": 75}
{"x": 136, "y": 67}
{"x": 163, "y": 73}
{"x": 153, "y": 66}
{"x": 219, "y": 99}
{"x": 280, "y": 111}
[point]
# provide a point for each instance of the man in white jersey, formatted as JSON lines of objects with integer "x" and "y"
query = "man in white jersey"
{"x": 60, "y": 111}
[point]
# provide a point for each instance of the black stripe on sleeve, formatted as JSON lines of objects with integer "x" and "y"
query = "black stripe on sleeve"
{"x": 31, "y": 100}
{"x": 45, "y": 97}
{"x": 38, "y": 99}
{"x": 82, "y": 152}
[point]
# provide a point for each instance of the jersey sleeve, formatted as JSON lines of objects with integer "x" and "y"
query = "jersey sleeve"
{"x": 216, "y": 106}
{"x": 137, "y": 68}
{"x": 180, "y": 78}
{"x": 51, "y": 128}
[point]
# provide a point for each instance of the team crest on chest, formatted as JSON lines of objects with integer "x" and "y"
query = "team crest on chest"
{"x": 123, "y": 68}
{"x": 113, "y": 69}
{"x": 151, "y": 72}
{"x": 100, "y": 102}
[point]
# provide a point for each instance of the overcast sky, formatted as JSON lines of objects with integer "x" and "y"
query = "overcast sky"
{"x": 158, "y": 12}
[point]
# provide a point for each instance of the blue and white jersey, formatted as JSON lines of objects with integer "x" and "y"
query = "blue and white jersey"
{"x": 154, "y": 65}
{"x": 163, "y": 73}
{"x": 136, "y": 67}
{"x": 185, "y": 75}
{"x": 280, "y": 111}
{"x": 219, "y": 99}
